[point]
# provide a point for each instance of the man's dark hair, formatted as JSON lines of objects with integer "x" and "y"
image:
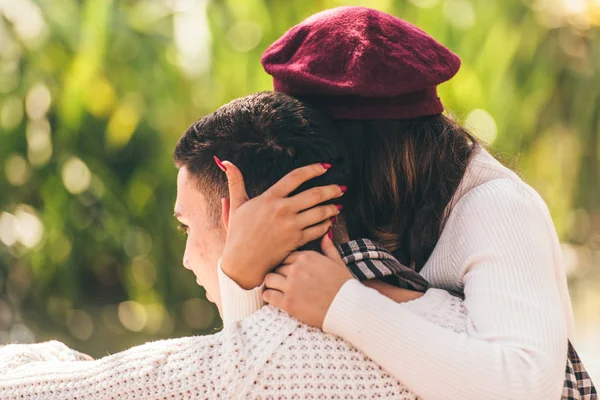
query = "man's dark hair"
{"x": 266, "y": 135}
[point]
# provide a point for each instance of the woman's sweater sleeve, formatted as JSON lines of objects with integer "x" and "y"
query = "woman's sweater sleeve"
{"x": 503, "y": 247}
{"x": 236, "y": 302}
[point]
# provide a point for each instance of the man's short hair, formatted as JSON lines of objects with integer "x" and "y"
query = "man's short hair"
{"x": 266, "y": 135}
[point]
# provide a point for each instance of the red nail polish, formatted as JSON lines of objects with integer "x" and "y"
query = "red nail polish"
{"x": 326, "y": 165}
{"x": 330, "y": 234}
{"x": 332, "y": 219}
{"x": 220, "y": 164}
{"x": 339, "y": 207}
{"x": 344, "y": 188}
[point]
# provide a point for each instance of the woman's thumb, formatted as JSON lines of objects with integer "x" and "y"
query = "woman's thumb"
{"x": 237, "y": 188}
{"x": 330, "y": 249}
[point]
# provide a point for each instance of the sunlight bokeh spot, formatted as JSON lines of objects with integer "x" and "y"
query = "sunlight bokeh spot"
{"x": 39, "y": 142}
{"x": 137, "y": 243}
{"x": 17, "y": 170}
{"x": 37, "y": 101}
{"x": 157, "y": 316}
{"x": 29, "y": 226}
{"x": 100, "y": 97}
{"x": 8, "y": 229}
{"x": 192, "y": 36}
{"x": 11, "y": 113}
{"x": 143, "y": 272}
{"x": 483, "y": 125}
{"x": 244, "y": 36}
{"x": 123, "y": 124}
{"x": 26, "y": 18}
{"x": 132, "y": 315}
{"x": 76, "y": 175}
{"x": 80, "y": 324}
{"x": 460, "y": 13}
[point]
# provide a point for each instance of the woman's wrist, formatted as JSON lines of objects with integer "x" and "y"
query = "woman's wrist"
{"x": 244, "y": 275}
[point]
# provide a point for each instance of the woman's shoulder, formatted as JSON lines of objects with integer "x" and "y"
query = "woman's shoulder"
{"x": 496, "y": 214}
{"x": 483, "y": 168}
{"x": 490, "y": 184}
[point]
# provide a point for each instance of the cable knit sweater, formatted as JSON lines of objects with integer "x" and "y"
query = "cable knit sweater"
{"x": 268, "y": 355}
{"x": 500, "y": 248}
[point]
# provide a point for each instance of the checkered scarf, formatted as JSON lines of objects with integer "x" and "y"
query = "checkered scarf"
{"x": 366, "y": 260}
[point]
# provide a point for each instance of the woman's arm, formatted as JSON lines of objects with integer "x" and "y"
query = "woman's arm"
{"x": 237, "y": 303}
{"x": 515, "y": 346}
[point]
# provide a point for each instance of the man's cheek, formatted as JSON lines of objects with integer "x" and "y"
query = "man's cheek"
{"x": 200, "y": 255}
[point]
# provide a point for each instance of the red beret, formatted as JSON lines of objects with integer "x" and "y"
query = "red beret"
{"x": 360, "y": 63}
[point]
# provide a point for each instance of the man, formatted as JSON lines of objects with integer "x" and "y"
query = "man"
{"x": 266, "y": 355}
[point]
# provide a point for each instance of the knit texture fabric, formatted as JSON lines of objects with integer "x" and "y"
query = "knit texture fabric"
{"x": 499, "y": 247}
{"x": 268, "y": 355}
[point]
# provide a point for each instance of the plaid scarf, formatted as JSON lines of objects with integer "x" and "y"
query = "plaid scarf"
{"x": 366, "y": 260}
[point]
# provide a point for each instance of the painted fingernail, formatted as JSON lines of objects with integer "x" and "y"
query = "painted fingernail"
{"x": 339, "y": 207}
{"x": 344, "y": 188}
{"x": 326, "y": 165}
{"x": 332, "y": 219}
{"x": 330, "y": 234}
{"x": 220, "y": 164}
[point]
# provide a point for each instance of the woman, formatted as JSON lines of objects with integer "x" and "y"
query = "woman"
{"x": 432, "y": 196}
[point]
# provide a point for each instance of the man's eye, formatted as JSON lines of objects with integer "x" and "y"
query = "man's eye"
{"x": 183, "y": 228}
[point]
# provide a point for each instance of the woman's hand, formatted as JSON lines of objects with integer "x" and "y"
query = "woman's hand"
{"x": 263, "y": 231}
{"x": 307, "y": 283}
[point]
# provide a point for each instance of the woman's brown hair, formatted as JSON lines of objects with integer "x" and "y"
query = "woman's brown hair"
{"x": 406, "y": 172}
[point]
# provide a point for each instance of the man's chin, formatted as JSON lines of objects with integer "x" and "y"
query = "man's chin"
{"x": 209, "y": 298}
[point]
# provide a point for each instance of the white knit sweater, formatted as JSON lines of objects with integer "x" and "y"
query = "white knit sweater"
{"x": 500, "y": 247}
{"x": 268, "y": 355}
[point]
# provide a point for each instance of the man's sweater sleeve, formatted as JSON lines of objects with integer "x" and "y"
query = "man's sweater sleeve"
{"x": 515, "y": 347}
{"x": 15, "y": 355}
{"x": 201, "y": 366}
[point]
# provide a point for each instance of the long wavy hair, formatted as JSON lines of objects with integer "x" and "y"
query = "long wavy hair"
{"x": 406, "y": 172}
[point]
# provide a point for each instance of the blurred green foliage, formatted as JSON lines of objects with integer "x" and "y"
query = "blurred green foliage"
{"x": 95, "y": 93}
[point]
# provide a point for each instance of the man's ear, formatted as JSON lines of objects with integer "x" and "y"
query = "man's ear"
{"x": 225, "y": 207}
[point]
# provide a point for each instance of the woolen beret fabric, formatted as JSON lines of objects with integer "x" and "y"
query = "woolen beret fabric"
{"x": 360, "y": 63}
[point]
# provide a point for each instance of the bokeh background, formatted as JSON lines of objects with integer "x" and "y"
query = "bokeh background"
{"x": 95, "y": 93}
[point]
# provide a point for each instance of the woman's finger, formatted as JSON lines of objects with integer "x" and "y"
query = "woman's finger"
{"x": 317, "y": 214}
{"x": 283, "y": 270}
{"x": 273, "y": 297}
{"x": 297, "y": 177}
{"x": 235, "y": 181}
{"x": 330, "y": 249}
{"x": 314, "y": 232}
{"x": 275, "y": 281}
{"x": 314, "y": 196}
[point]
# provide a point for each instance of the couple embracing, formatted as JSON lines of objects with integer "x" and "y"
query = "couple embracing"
{"x": 358, "y": 243}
